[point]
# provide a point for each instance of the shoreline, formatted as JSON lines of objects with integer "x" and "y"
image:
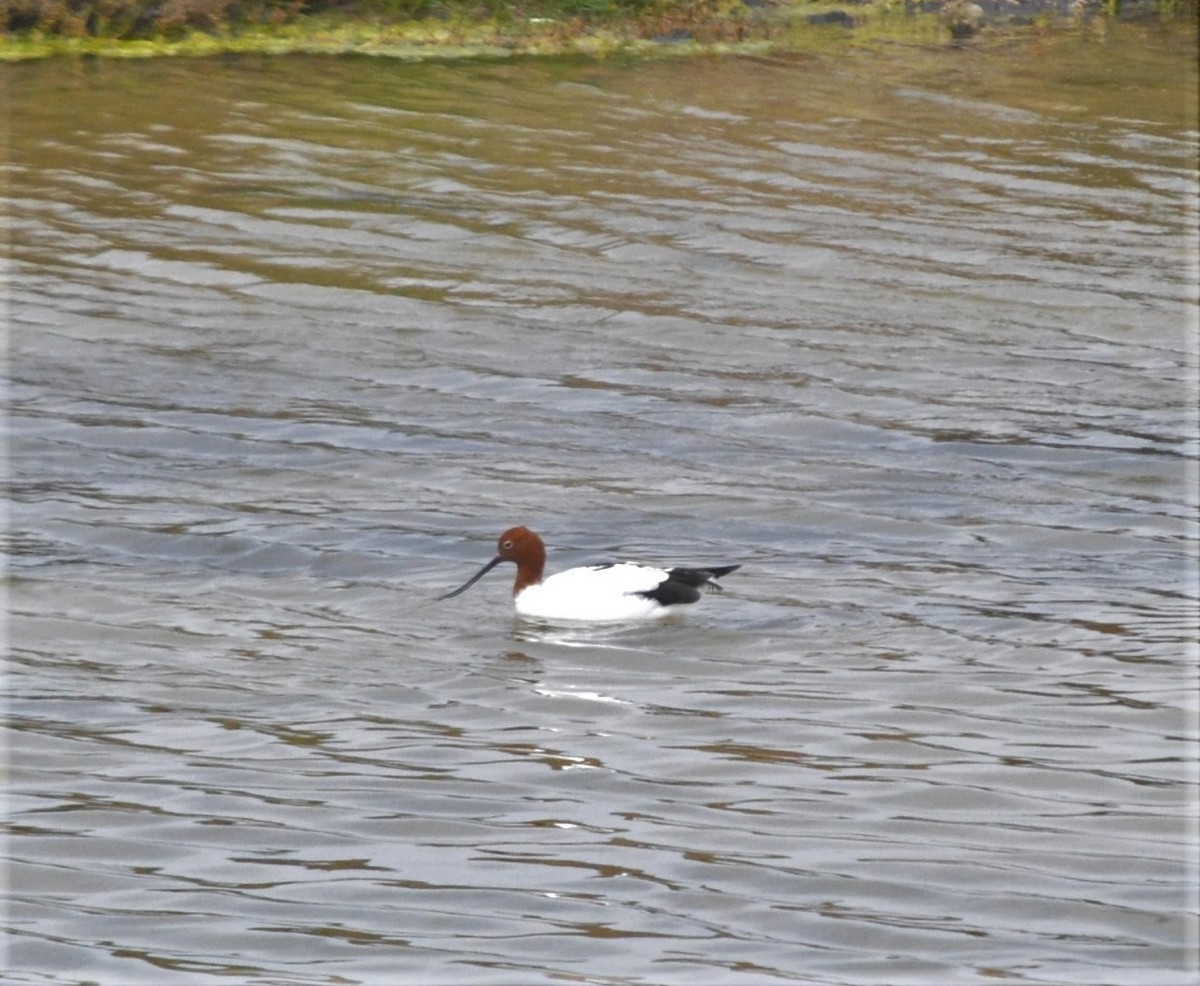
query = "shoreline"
{"x": 742, "y": 27}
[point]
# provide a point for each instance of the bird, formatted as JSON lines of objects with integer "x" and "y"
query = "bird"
{"x": 612, "y": 592}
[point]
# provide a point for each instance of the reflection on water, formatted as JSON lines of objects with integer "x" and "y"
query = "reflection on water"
{"x": 909, "y": 341}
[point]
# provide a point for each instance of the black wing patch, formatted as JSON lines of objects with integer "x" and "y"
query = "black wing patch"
{"x": 684, "y": 585}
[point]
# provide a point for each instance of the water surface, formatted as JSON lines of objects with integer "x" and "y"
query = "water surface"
{"x": 293, "y": 340}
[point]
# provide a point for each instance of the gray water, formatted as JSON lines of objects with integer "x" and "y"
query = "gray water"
{"x": 909, "y": 337}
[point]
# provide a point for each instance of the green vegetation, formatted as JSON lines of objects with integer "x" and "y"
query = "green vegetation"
{"x": 168, "y": 19}
{"x": 421, "y": 28}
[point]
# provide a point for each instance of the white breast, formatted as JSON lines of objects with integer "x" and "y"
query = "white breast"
{"x": 598, "y": 592}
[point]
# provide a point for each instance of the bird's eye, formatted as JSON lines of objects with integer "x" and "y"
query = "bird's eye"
{"x": 507, "y": 545}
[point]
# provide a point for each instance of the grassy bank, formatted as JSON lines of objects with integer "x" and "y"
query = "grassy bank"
{"x": 445, "y": 28}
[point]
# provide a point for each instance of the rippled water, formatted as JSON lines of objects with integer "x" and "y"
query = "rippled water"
{"x": 909, "y": 337}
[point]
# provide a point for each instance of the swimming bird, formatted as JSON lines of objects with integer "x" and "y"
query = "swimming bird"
{"x": 601, "y": 593}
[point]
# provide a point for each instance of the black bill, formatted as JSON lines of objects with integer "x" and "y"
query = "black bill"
{"x": 474, "y": 578}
